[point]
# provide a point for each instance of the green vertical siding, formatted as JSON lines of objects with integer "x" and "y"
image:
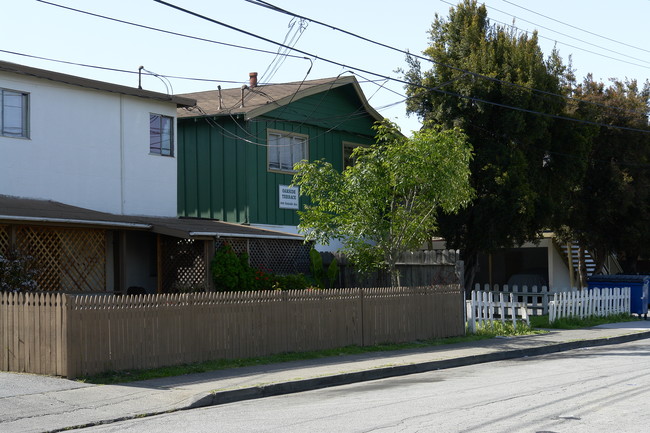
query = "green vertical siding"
{"x": 223, "y": 169}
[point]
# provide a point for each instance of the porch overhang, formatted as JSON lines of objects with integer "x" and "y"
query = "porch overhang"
{"x": 19, "y": 210}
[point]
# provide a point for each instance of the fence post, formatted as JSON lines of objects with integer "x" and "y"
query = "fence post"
{"x": 471, "y": 320}
{"x": 362, "y": 321}
{"x": 552, "y": 308}
{"x": 545, "y": 291}
{"x": 502, "y": 308}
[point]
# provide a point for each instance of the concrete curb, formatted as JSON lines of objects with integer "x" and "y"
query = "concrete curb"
{"x": 284, "y": 388}
{"x": 250, "y": 393}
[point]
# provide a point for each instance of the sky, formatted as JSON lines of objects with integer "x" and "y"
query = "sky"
{"x": 608, "y": 39}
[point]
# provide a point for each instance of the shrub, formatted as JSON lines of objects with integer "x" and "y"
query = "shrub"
{"x": 18, "y": 272}
{"x": 324, "y": 278}
{"x": 290, "y": 282}
{"x": 231, "y": 272}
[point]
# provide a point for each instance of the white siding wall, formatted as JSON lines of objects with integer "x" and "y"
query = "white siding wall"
{"x": 87, "y": 148}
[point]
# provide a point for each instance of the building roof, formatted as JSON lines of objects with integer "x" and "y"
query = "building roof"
{"x": 261, "y": 99}
{"x": 18, "y": 210}
{"x": 93, "y": 84}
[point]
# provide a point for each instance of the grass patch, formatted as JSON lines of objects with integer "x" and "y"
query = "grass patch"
{"x": 113, "y": 377}
{"x": 576, "y": 323}
{"x": 498, "y": 329}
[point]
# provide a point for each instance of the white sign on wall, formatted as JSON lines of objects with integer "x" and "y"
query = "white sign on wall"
{"x": 289, "y": 197}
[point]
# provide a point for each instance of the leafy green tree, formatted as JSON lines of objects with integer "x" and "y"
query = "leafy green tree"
{"x": 479, "y": 73}
{"x": 609, "y": 211}
{"x": 386, "y": 203}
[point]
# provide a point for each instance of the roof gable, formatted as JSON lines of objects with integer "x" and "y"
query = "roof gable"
{"x": 263, "y": 99}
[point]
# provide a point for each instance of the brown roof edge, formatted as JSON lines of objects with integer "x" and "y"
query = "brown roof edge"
{"x": 93, "y": 84}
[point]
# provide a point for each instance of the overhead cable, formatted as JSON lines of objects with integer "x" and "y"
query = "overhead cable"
{"x": 428, "y": 59}
{"x": 471, "y": 98}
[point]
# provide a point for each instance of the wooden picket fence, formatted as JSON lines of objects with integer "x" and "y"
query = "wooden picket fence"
{"x": 77, "y": 335}
{"x": 592, "y": 302}
{"x": 486, "y": 307}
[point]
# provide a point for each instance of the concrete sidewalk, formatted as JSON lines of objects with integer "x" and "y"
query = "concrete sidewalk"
{"x": 30, "y": 403}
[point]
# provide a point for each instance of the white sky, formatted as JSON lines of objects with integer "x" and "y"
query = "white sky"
{"x": 38, "y": 29}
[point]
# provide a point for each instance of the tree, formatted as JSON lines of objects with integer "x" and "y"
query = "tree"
{"x": 386, "y": 202}
{"x": 479, "y": 73}
{"x": 609, "y": 211}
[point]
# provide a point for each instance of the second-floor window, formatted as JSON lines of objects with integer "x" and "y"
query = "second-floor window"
{"x": 161, "y": 135}
{"x": 14, "y": 114}
{"x": 285, "y": 149}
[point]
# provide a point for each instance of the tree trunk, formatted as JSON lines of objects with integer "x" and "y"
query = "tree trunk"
{"x": 582, "y": 267}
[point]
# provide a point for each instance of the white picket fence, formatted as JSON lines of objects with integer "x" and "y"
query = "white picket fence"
{"x": 486, "y": 307}
{"x": 593, "y": 302}
{"x": 536, "y": 298}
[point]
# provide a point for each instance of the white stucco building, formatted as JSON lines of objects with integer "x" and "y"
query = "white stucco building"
{"x": 86, "y": 143}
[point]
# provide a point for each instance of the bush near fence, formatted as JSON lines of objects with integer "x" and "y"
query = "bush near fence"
{"x": 76, "y": 335}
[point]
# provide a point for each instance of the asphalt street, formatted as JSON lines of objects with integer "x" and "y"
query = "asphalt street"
{"x": 30, "y": 403}
{"x": 602, "y": 389}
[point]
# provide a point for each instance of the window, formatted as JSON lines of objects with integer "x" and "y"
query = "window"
{"x": 285, "y": 150}
{"x": 13, "y": 114}
{"x": 161, "y": 135}
{"x": 348, "y": 160}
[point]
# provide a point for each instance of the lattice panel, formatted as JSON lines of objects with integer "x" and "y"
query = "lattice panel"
{"x": 183, "y": 265}
{"x": 4, "y": 239}
{"x": 279, "y": 256}
{"x": 238, "y": 245}
{"x": 71, "y": 260}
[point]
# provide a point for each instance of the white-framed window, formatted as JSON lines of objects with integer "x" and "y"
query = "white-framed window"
{"x": 14, "y": 113}
{"x": 161, "y": 135}
{"x": 285, "y": 149}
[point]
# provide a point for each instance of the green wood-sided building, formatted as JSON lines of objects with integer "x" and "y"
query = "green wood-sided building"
{"x": 237, "y": 147}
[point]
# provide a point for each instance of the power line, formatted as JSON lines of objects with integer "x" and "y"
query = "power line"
{"x": 571, "y": 37}
{"x": 167, "y": 31}
{"x": 105, "y": 68}
{"x": 436, "y": 89}
{"x": 577, "y": 28}
{"x": 428, "y": 59}
{"x": 471, "y": 98}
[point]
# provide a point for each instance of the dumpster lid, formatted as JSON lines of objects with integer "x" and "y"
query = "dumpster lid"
{"x": 619, "y": 278}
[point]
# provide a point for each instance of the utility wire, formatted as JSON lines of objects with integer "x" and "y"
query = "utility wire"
{"x": 570, "y": 37}
{"x": 471, "y": 98}
{"x": 167, "y": 31}
{"x": 125, "y": 71}
{"x": 428, "y": 59}
{"x": 350, "y": 67}
{"x": 290, "y": 48}
{"x": 577, "y": 28}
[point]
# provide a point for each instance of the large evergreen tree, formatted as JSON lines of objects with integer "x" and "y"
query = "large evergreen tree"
{"x": 609, "y": 211}
{"x": 482, "y": 79}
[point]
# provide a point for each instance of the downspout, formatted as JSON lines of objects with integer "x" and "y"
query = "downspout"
{"x": 121, "y": 155}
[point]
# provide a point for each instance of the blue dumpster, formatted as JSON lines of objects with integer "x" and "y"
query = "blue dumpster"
{"x": 638, "y": 284}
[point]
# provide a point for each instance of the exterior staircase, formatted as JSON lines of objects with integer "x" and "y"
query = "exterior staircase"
{"x": 611, "y": 263}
